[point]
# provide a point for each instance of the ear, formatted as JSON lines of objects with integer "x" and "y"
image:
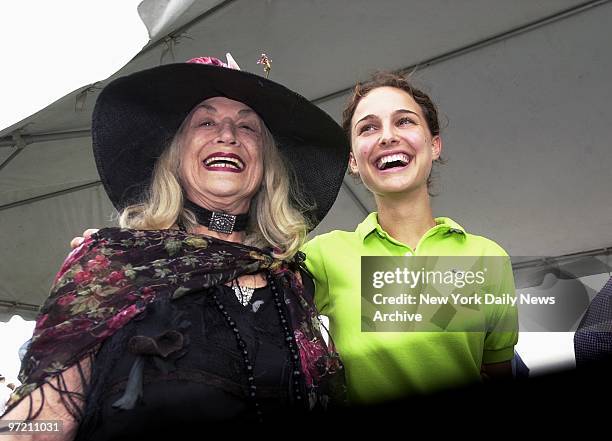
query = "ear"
{"x": 353, "y": 169}
{"x": 436, "y": 147}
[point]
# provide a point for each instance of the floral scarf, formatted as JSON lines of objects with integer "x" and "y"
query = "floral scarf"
{"x": 115, "y": 274}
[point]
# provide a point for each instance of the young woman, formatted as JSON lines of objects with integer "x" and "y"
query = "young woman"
{"x": 395, "y": 139}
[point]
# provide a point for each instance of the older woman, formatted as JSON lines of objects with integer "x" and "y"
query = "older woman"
{"x": 196, "y": 308}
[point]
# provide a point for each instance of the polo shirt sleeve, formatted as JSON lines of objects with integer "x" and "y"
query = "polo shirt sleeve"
{"x": 503, "y": 329}
{"x": 315, "y": 263}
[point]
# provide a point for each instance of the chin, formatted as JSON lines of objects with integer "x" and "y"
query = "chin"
{"x": 223, "y": 187}
{"x": 395, "y": 187}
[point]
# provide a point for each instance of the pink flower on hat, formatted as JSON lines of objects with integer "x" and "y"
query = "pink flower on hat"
{"x": 231, "y": 63}
{"x": 207, "y": 60}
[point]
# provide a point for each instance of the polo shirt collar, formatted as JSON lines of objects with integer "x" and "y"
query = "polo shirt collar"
{"x": 446, "y": 223}
{"x": 370, "y": 224}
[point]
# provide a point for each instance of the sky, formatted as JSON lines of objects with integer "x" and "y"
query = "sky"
{"x": 50, "y": 48}
{"x": 12, "y": 335}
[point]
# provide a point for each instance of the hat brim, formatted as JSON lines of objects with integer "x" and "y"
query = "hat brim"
{"x": 136, "y": 117}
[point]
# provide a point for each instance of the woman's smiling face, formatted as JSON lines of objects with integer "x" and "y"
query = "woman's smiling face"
{"x": 392, "y": 146}
{"x": 222, "y": 155}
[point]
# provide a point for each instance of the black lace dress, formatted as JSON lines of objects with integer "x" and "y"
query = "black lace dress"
{"x": 192, "y": 370}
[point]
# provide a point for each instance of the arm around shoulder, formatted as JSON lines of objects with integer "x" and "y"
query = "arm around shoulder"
{"x": 315, "y": 265}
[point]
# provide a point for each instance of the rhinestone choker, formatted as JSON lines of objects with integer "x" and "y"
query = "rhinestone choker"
{"x": 217, "y": 221}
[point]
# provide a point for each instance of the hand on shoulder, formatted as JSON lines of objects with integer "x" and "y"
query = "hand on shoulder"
{"x": 78, "y": 240}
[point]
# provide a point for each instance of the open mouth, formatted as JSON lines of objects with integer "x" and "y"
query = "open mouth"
{"x": 224, "y": 162}
{"x": 397, "y": 160}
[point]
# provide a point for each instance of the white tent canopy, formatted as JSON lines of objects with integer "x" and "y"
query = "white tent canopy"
{"x": 524, "y": 87}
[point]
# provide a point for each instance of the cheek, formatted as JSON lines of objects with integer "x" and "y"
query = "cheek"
{"x": 417, "y": 140}
{"x": 189, "y": 170}
{"x": 187, "y": 164}
{"x": 259, "y": 172}
{"x": 257, "y": 154}
{"x": 189, "y": 156}
{"x": 361, "y": 151}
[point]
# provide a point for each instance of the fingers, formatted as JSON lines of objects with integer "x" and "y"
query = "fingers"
{"x": 76, "y": 241}
{"x": 87, "y": 233}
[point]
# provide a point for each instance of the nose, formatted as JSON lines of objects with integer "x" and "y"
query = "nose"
{"x": 388, "y": 136}
{"x": 227, "y": 133}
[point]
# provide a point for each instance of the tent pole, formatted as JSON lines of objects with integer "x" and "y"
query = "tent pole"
{"x": 50, "y": 195}
{"x": 480, "y": 44}
{"x": 9, "y": 141}
{"x": 10, "y": 158}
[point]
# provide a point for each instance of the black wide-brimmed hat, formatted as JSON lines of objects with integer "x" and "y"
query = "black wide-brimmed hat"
{"x": 136, "y": 117}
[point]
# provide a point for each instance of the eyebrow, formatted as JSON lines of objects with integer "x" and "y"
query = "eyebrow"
{"x": 241, "y": 112}
{"x": 394, "y": 113}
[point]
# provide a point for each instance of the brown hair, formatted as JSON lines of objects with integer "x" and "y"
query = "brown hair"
{"x": 391, "y": 79}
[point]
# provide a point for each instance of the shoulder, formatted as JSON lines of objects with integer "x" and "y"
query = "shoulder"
{"x": 336, "y": 239}
{"x": 327, "y": 248}
{"x": 485, "y": 245}
{"x": 321, "y": 251}
{"x": 329, "y": 240}
{"x": 464, "y": 242}
{"x": 473, "y": 244}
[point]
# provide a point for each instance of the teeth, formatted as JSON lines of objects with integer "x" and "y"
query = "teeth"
{"x": 225, "y": 165}
{"x": 402, "y": 157}
{"x": 225, "y": 162}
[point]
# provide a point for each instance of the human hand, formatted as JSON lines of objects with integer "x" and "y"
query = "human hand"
{"x": 76, "y": 241}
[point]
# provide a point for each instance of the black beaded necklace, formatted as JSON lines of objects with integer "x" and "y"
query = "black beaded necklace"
{"x": 242, "y": 346}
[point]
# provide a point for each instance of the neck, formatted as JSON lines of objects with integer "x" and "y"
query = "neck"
{"x": 406, "y": 216}
{"x": 222, "y": 226}
{"x": 221, "y": 204}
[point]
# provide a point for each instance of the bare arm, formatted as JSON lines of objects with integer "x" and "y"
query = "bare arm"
{"x": 51, "y": 404}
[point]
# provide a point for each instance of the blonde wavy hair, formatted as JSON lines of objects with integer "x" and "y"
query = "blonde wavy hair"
{"x": 274, "y": 221}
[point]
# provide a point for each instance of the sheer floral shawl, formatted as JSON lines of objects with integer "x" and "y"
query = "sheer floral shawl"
{"x": 115, "y": 274}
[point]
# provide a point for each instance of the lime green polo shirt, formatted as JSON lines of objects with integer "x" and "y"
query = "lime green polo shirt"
{"x": 387, "y": 365}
